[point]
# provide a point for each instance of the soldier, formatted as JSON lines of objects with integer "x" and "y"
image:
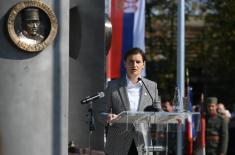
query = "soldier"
{"x": 30, "y": 26}
{"x": 216, "y": 130}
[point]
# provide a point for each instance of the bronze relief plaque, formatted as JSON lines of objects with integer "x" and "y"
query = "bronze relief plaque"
{"x": 32, "y": 25}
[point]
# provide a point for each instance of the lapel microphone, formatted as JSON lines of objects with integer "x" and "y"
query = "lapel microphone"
{"x": 154, "y": 107}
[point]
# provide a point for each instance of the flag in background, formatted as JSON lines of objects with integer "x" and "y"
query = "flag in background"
{"x": 190, "y": 123}
{"x": 128, "y": 24}
{"x": 191, "y": 131}
{"x": 201, "y": 140}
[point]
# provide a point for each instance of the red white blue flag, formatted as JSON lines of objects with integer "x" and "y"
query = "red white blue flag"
{"x": 128, "y": 30}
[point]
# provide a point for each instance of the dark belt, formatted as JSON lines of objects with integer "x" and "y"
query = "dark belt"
{"x": 212, "y": 138}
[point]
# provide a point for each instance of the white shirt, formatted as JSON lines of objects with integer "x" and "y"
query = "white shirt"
{"x": 133, "y": 93}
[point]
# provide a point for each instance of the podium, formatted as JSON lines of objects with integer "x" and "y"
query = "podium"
{"x": 155, "y": 130}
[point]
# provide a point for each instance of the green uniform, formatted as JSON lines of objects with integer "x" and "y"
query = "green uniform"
{"x": 216, "y": 135}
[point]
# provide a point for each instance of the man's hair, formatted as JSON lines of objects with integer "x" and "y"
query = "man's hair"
{"x": 167, "y": 101}
{"x": 134, "y": 51}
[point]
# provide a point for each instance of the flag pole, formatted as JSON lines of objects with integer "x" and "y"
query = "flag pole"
{"x": 203, "y": 127}
{"x": 180, "y": 63}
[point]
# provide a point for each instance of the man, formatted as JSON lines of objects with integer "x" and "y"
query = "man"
{"x": 167, "y": 106}
{"x": 171, "y": 134}
{"x": 223, "y": 111}
{"x": 127, "y": 94}
{"x": 216, "y": 130}
{"x": 30, "y": 26}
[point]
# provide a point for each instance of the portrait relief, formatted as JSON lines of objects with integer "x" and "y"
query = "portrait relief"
{"x": 32, "y": 25}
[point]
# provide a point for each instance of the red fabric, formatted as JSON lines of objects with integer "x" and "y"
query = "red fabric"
{"x": 115, "y": 54}
{"x": 189, "y": 136}
{"x": 203, "y": 131}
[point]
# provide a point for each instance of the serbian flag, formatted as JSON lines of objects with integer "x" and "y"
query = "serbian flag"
{"x": 128, "y": 30}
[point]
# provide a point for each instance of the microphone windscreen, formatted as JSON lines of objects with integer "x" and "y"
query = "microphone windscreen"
{"x": 151, "y": 109}
{"x": 101, "y": 94}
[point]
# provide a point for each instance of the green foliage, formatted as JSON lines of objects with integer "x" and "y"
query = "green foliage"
{"x": 212, "y": 71}
{"x": 218, "y": 42}
{"x": 161, "y": 51}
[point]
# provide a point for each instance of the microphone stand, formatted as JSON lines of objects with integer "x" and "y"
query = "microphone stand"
{"x": 152, "y": 107}
{"x": 91, "y": 124}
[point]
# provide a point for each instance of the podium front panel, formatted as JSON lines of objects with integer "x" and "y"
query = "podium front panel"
{"x": 156, "y": 130}
{"x": 128, "y": 117}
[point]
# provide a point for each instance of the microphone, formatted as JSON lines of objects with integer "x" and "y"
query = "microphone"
{"x": 152, "y": 107}
{"x": 91, "y": 98}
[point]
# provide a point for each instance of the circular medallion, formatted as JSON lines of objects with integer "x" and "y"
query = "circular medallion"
{"x": 32, "y": 25}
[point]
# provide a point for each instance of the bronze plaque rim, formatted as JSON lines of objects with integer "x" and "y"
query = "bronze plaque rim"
{"x": 11, "y": 22}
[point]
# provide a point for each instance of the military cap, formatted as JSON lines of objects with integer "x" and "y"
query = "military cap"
{"x": 210, "y": 100}
{"x": 30, "y": 14}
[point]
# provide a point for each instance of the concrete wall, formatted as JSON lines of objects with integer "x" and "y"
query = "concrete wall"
{"x": 86, "y": 72}
{"x": 34, "y": 90}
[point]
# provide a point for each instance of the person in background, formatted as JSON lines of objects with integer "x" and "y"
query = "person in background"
{"x": 223, "y": 111}
{"x": 171, "y": 135}
{"x": 216, "y": 130}
{"x": 128, "y": 93}
{"x": 167, "y": 106}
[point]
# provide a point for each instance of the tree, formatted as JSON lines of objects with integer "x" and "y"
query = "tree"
{"x": 218, "y": 45}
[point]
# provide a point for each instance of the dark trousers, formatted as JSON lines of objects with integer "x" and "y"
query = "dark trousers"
{"x": 133, "y": 150}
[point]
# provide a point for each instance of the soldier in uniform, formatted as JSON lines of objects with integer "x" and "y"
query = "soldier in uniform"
{"x": 216, "y": 130}
{"x": 30, "y": 26}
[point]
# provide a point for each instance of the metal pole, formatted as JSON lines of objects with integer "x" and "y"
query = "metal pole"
{"x": 91, "y": 126}
{"x": 180, "y": 63}
{"x": 181, "y": 46}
